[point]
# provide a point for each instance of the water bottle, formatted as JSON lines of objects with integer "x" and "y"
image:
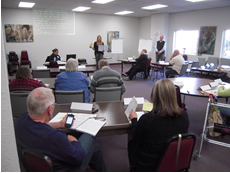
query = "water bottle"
{"x": 54, "y": 58}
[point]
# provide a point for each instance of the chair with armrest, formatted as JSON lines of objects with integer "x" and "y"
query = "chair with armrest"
{"x": 69, "y": 96}
{"x": 182, "y": 72}
{"x": 178, "y": 95}
{"x": 53, "y": 64}
{"x": 194, "y": 64}
{"x": 13, "y": 58}
{"x": 18, "y": 103}
{"x": 107, "y": 94}
{"x": 202, "y": 62}
{"x": 177, "y": 153}
{"x": 36, "y": 161}
{"x": 24, "y": 58}
{"x": 41, "y": 73}
{"x": 157, "y": 68}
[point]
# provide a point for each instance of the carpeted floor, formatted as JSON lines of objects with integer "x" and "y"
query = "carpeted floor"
{"x": 213, "y": 157}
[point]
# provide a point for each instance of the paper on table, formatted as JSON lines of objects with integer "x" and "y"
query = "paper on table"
{"x": 81, "y": 106}
{"x": 139, "y": 114}
{"x": 41, "y": 67}
{"x": 91, "y": 77}
{"x": 81, "y": 66}
{"x": 132, "y": 106}
{"x": 100, "y": 48}
{"x": 147, "y": 106}
{"x": 140, "y": 100}
{"x": 58, "y": 117}
{"x": 80, "y": 118}
{"x": 218, "y": 80}
{"x": 61, "y": 67}
{"x": 213, "y": 84}
{"x": 91, "y": 126}
{"x": 205, "y": 87}
{"x": 178, "y": 83}
{"x": 214, "y": 92}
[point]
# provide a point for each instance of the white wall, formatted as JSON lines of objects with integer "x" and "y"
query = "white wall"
{"x": 193, "y": 20}
{"x": 87, "y": 27}
{"x": 9, "y": 157}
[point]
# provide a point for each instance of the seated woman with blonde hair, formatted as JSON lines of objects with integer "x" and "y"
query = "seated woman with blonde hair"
{"x": 150, "y": 133}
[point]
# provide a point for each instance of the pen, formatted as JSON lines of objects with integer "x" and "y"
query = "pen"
{"x": 188, "y": 92}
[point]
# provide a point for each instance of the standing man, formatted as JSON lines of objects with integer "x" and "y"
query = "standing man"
{"x": 160, "y": 49}
{"x": 106, "y": 77}
{"x": 67, "y": 153}
{"x": 176, "y": 61}
{"x": 141, "y": 65}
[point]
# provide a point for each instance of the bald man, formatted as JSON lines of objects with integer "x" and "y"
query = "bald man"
{"x": 176, "y": 61}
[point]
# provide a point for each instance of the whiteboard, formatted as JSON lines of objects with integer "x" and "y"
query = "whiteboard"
{"x": 145, "y": 44}
{"x": 117, "y": 45}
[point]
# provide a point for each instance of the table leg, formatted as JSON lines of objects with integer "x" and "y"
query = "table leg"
{"x": 121, "y": 67}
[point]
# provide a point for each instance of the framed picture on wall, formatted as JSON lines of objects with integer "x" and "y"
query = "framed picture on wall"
{"x": 207, "y": 40}
{"x": 110, "y": 36}
{"x": 19, "y": 33}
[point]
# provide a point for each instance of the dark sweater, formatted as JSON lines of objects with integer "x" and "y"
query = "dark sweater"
{"x": 65, "y": 155}
{"x": 160, "y": 45}
{"x": 95, "y": 46}
{"x": 150, "y": 134}
{"x": 142, "y": 60}
{"x": 51, "y": 58}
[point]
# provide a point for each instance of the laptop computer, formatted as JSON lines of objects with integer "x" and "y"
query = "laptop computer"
{"x": 71, "y": 56}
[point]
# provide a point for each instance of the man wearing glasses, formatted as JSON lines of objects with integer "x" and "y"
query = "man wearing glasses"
{"x": 66, "y": 152}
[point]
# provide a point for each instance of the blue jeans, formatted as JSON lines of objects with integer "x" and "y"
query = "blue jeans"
{"x": 225, "y": 114}
{"x": 98, "y": 57}
{"x": 93, "y": 154}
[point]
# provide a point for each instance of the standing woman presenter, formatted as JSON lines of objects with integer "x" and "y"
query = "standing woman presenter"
{"x": 98, "y": 54}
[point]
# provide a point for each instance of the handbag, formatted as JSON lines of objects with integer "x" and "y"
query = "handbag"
{"x": 214, "y": 117}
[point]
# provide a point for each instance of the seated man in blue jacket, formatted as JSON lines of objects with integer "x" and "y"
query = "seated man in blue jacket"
{"x": 140, "y": 65}
{"x": 67, "y": 153}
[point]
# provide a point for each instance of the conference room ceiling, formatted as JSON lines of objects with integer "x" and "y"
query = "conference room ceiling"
{"x": 174, "y": 6}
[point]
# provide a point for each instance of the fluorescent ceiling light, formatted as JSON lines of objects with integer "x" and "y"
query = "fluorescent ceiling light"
{"x": 26, "y": 4}
{"x": 151, "y": 7}
{"x": 80, "y": 8}
{"x": 123, "y": 12}
{"x": 194, "y": 0}
{"x": 102, "y": 1}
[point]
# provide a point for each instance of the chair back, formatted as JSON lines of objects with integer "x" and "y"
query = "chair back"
{"x": 224, "y": 61}
{"x": 41, "y": 73}
{"x": 24, "y": 55}
{"x": 18, "y": 103}
{"x": 185, "y": 57}
{"x": 195, "y": 64}
{"x": 168, "y": 159}
{"x": 36, "y": 161}
{"x": 53, "y": 64}
{"x": 214, "y": 60}
{"x": 178, "y": 95}
{"x": 183, "y": 69}
{"x": 107, "y": 94}
{"x": 202, "y": 61}
{"x": 69, "y": 96}
{"x": 148, "y": 65}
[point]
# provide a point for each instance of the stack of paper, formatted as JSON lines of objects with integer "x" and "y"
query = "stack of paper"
{"x": 85, "y": 123}
{"x": 81, "y": 106}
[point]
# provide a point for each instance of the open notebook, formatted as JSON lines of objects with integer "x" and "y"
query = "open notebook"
{"x": 85, "y": 123}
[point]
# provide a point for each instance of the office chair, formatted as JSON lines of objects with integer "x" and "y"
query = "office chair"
{"x": 214, "y": 60}
{"x": 41, "y": 73}
{"x": 13, "y": 58}
{"x": 36, "y": 161}
{"x": 177, "y": 153}
{"x": 156, "y": 68}
{"x": 107, "y": 94}
{"x": 185, "y": 57}
{"x": 182, "y": 72}
{"x": 202, "y": 61}
{"x": 194, "y": 64}
{"x": 18, "y": 103}
{"x": 225, "y": 61}
{"x": 69, "y": 96}
{"x": 24, "y": 58}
